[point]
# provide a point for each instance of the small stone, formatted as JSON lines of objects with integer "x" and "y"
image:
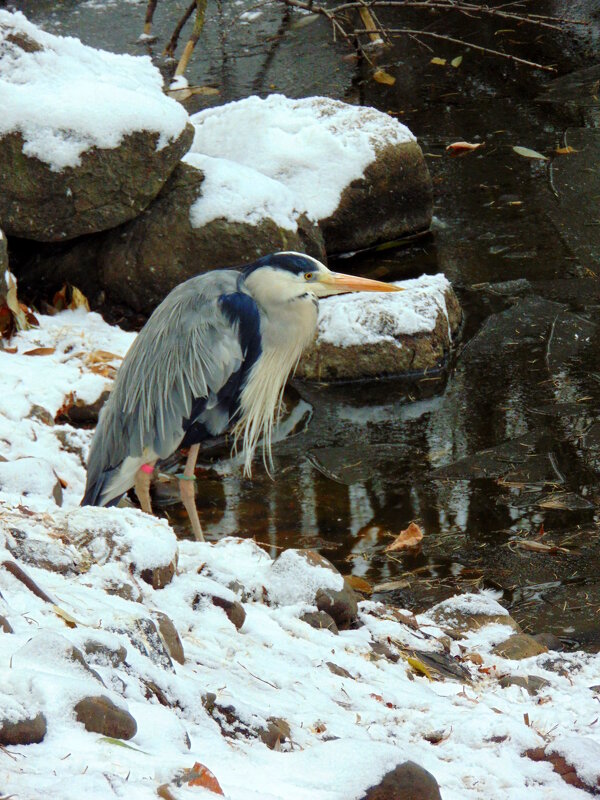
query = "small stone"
{"x": 531, "y": 683}
{"x": 519, "y": 646}
{"x": 234, "y": 610}
{"x": 566, "y": 770}
{"x": 320, "y": 620}
{"x": 276, "y": 732}
{"x": 25, "y": 731}
{"x": 5, "y": 625}
{"x": 408, "y": 781}
{"x": 159, "y": 577}
{"x": 381, "y": 649}
{"x": 82, "y": 413}
{"x": 168, "y": 631}
{"x": 41, "y": 414}
{"x": 342, "y": 606}
{"x": 101, "y": 715}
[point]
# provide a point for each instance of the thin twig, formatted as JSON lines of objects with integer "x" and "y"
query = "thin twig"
{"x": 169, "y": 50}
{"x": 150, "y": 9}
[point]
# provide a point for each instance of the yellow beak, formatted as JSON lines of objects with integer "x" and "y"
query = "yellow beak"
{"x": 352, "y": 283}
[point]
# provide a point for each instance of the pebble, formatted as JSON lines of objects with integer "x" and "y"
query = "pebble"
{"x": 101, "y": 715}
{"x": 25, "y": 731}
{"x": 408, "y": 781}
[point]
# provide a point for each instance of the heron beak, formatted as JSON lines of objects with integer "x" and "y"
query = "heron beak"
{"x": 352, "y": 283}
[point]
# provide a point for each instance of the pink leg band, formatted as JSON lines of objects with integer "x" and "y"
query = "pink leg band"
{"x": 147, "y": 468}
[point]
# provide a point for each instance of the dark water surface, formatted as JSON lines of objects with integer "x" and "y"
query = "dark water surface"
{"x": 507, "y": 457}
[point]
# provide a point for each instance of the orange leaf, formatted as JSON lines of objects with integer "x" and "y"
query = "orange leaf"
{"x": 460, "y": 148}
{"x": 565, "y": 151}
{"x": 40, "y": 351}
{"x": 202, "y": 776}
{"x": 410, "y": 537}
{"x": 359, "y": 584}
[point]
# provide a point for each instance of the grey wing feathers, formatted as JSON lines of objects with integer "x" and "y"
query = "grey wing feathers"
{"x": 187, "y": 350}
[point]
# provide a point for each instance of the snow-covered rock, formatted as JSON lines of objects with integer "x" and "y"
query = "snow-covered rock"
{"x": 371, "y": 335}
{"x": 87, "y": 137}
{"x": 356, "y": 171}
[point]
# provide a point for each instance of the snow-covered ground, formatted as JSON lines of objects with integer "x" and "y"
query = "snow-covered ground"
{"x": 353, "y": 714}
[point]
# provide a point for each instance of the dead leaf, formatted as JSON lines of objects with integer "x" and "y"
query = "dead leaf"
{"x": 70, "y": 297}
{"x": 391, "y": 586}
{"x": 70, "y": 621}
{"x": 527, "y": 152}
{"x": 40, "y": 351}
{"x": 359, "y": 584}
{"x": 410, "y": 537}
{"x": 200, "y": 775}
{"x": 565, "y": 151}
{"x": 381, "y": 76}
{"x": 419, "y": 666}
{"x": 459, "y": 148}
{"x": 439, "y": 61}
{"x": 13, "y": 314}
{"x": 456, "y": 62}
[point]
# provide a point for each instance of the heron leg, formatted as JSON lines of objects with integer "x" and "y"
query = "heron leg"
{"x": 143, "y": 479}
{"x": 187, "y": 490}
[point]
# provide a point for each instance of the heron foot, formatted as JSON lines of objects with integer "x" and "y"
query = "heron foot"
{"x": 187, "y": 489}
{"x": 143, "y": 479}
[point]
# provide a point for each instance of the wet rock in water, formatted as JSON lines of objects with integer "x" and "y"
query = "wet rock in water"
{"x": 29, "y": 730}
{"x": 361, "y": 336}
{"x": 469, "y": 612}
{"x": 549, "y": 640}
{"x": 305, "y": 576}
{"x": 71, "y": 173}
{"x": 531, "y": 683}
{"x": 100, "y": 715}
{"x": 408, "y": 781}
{"x": 140, "y": 262}
{"x": 357, "y": 171}
{"x": 170, "y": 636}
{"x": 320, "y": 620}
{"x": 234, "y": 610}
{"x": 519, "y": 646}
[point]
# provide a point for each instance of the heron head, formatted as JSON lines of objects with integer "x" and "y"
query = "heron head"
{"x": 289, "y": 275}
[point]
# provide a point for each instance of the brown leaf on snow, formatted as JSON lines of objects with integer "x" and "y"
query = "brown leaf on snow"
{"x": 200, "y": 775}
{"x": 40, "y": 351}
{"x": 411, "y": 537}
{"x": 70, "y": 297}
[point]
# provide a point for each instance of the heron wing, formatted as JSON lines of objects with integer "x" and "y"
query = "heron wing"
{"x": 181, "y": 378}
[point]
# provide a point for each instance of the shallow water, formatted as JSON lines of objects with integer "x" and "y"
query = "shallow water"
{"x": 506, "y": 457}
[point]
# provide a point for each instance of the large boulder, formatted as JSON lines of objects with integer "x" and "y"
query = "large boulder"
{"x": 373, "y": 335}
{"x": 87, "y": 138}
{"x": 356, "y": 171}
{"x": 209, "y": 214}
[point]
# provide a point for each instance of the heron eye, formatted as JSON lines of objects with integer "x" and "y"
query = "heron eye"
{"x": 308, "y": 276}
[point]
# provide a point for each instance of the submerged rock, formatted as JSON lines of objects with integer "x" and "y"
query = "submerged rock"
{"x": 366, "y": 336}
{"x": 70, "y": 167}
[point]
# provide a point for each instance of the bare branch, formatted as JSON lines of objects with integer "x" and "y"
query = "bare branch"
{"x": 169, "y": 50}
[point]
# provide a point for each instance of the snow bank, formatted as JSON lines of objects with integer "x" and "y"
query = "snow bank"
{"x": 358, "y": 319}
{"x": 65, "y": 97}
{"x": 314, "y": 146}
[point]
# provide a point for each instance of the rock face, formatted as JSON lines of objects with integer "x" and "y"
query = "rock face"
{"x": 392, "y": 199}
{"x": 65, "y": 170}
{"x": 382, "y": 335}
{"x": 140, "y": 262}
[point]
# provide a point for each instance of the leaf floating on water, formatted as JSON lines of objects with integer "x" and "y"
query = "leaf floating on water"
{"x": 391, "y": 586}
{"x": 527, "y": 152}
{"x": 565, "y": 151}
{"x": 456, "y": 62}
{"x": 381, "y": 76}
{"x": 306, "y": 19}
{"x": 460, "y": 148}
{"x": 439, "y": 61}
{"x": 359, "y": 584}
{"x": 410, "y": 537}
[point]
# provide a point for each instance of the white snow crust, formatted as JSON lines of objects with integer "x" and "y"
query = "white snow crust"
{"x": 346, "y": 732}
{"x": 314, "y": 146}
{"x": 67, "y": 98}
{"x": 358, "y": 319}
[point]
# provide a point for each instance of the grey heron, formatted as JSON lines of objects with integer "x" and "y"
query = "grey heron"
{"x": 214, "y": 357}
